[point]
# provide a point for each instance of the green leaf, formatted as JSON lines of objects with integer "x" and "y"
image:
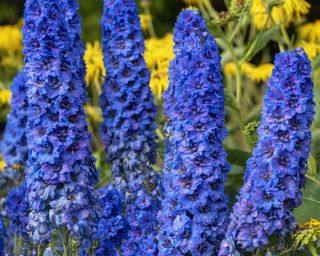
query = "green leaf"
{"x": 238, "y": 157}
{"x": 316, "y": 63}
{"x": 309, "y": 209}
{"x": 250, "y": 131}
{"x": 230, "y": 100}
{"x": 312, "y": 166}
{"x": 214, "y": 29}
{"x": 259, "y": 42}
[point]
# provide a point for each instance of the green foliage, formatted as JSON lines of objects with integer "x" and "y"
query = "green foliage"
{"x": 250, "y": 131}
{"x": 312, "y": 166}
{"x": 259, "y": 42}
{"x": 310, "y": 207}
{"x": 308, "y": 236}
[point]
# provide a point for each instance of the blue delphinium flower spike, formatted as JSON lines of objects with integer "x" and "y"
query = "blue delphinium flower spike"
{"x": 17, "y": 210}
{"x": 112, "y": 226}
{"x": 14, "y": 144}
{"x": 276, "y": 172}
{"x": 195, "y": 208}
{"x": 2, "y": 237}
{"x": 77, "y": 45}
{"x": 129, "y": 113}
{"x": 61, "y": 176}
{"x": 128, "y": 130}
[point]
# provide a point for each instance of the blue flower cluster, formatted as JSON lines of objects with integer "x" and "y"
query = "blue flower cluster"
{"x": 112, "y": 226}
{"x": 62, "y": 176}
{"x": 142, "y": 204}
{"x": 195, "y": 208}
{"x": 275, "y": 172}
{"x": 14, "y": 145}
{"x": 17, "y": 210}
{"x": 77, "y": 46}
{"x": 2, "y": 237}
{"x": 128, "y": 130}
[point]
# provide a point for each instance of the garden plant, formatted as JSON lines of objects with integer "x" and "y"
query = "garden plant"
{"x": 181, "y": 128}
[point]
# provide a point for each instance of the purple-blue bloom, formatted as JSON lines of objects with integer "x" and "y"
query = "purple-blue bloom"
{"x": 74, "y": 22}
{"x": 61, "y": 177}
{"x": 112, "y": 227}
{"x": 195, "y": 208}
{"x": 16, "y": 210}
{"x": 275, "y": 173}
{"x": 14, "y": 144}
{"x": 128, "y": 130}
{"x": 2, "y": 236}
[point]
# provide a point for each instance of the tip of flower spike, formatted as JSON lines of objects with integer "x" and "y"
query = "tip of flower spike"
{"x": 296, "y": 57}
{"x": 189, "y": 32}
{"x": 190, "y": 14}
{"x": 191, "y": 8}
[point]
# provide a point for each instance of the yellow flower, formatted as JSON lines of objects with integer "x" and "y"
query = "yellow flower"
{"x": 257, "y": 74}
{"x": 159, "y": 51}
{"x": 286, "y": 12}
{"x": 2, "y": 165}
{"x": 94, "y": 113}
{"x": 310, "y": 32}
{"x": 5, "y": 97}
{"x": 229, "y": 69}
{"x": 159, "y": 82}
{"x": 260, "y": 73}
{"x": 10, "y": 38}
{"x": 158, "y": 55}
{"x": 312, "y": 49}
{"x": 94, "y": 62}
{"x": 144, "y": 20}
{"x": 307, "y": 233}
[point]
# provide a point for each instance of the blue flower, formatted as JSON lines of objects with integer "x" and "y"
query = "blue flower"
{"x": 2, "y": 237}
{"x": 16, "y": 210}
{"x": 195, "y": 208}
{"x": 112, "y": 227}
{"x": 129, "y": 113}
{"x": 128, "y": 130}
{"x": 275, "y": 172}
{"x": 77, "y": 45}
{"x": 14, "y": 144}
{"x": 61, "y": 177}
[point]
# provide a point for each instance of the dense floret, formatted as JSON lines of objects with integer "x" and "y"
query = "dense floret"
{"x": 14, "y": 144}
{"x": 195, "y": 207}
{"x": 61, "y": 176}
{"x": 275, "y": 173}
{"x": 128, "y": 130}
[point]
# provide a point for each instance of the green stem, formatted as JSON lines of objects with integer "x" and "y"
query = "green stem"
{"x": 238, "y": 84}
{"x": 66, "y": 243}
{"x": 247, "y": 118}
{"x": 150, "y": 24}
{"x": 213, "y": 13}
{"x": 312, "y": 250}
{"x": 286, "y": 36}
{"x": 313, "y": 179}
{"x": 160, "y": 135}
{"x": 18, "y": 245}
{"x": 202, "y": 9}
{"x": 40, "y": 250}
{"x": 236, "y": 30}
{"x": 311, "y": 200}
{"x": 285, "y": 252}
